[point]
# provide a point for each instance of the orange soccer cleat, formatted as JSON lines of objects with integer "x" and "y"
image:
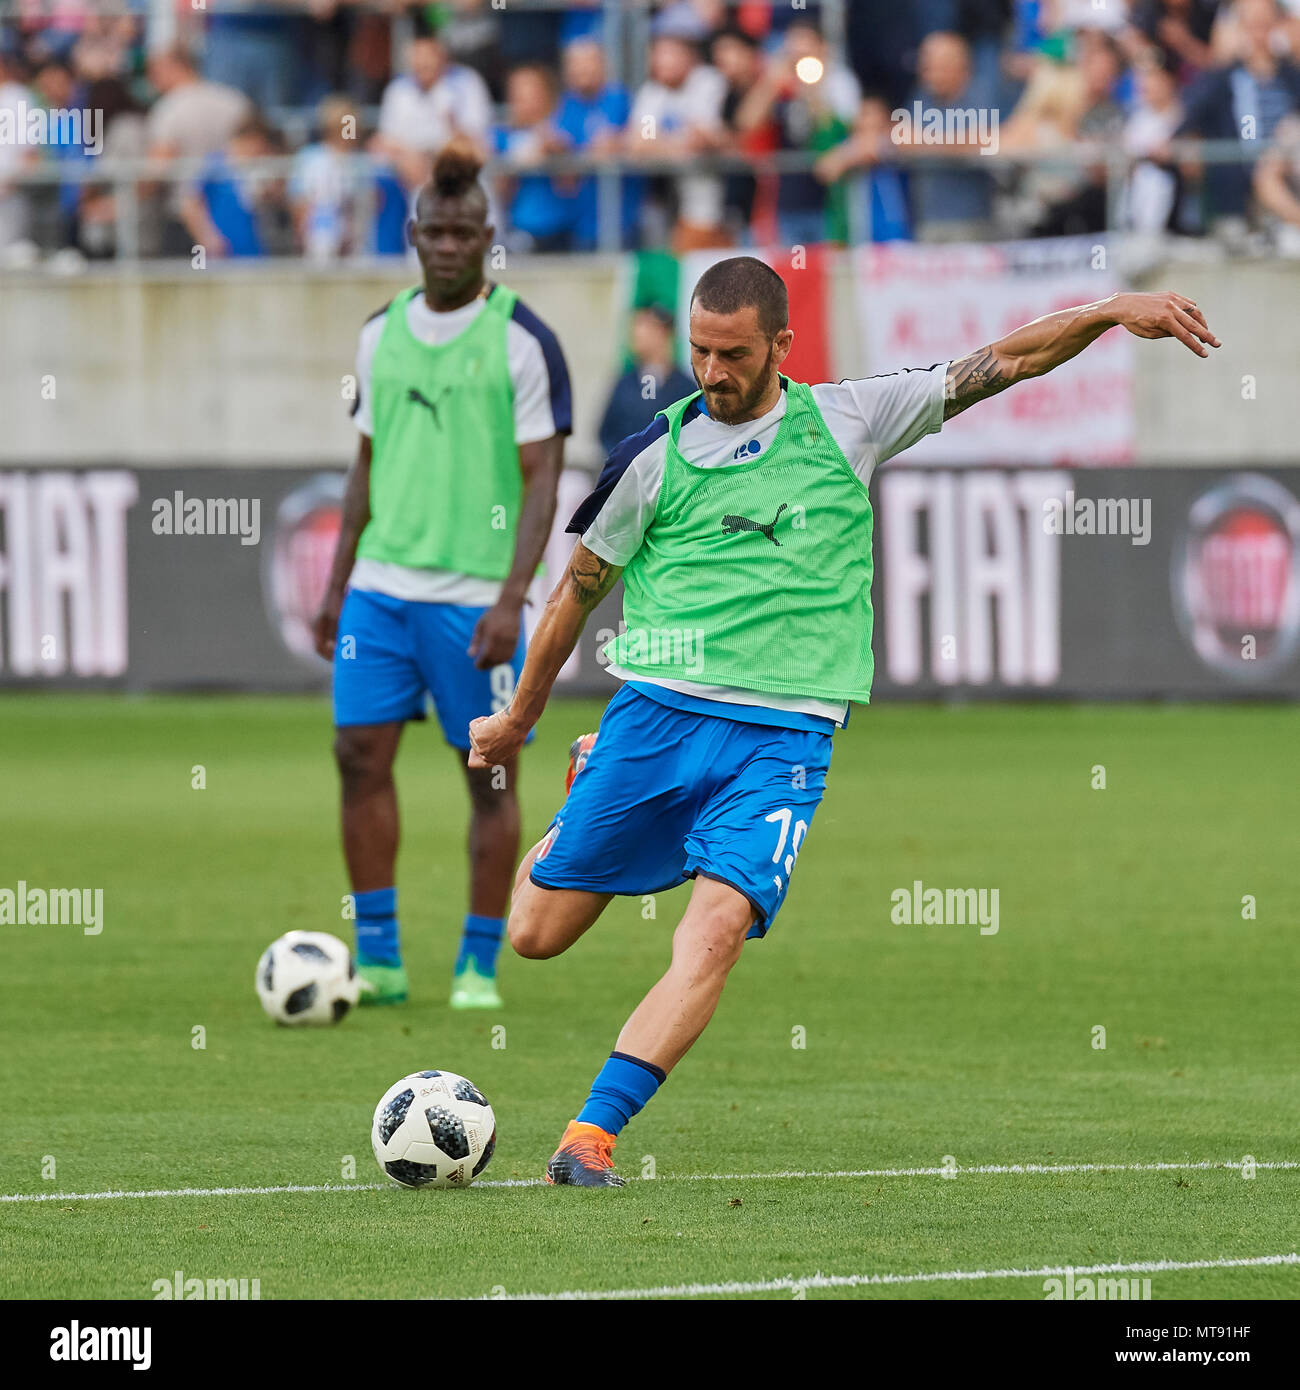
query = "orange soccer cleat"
{"x": 579, "y": 752}
{"x": 585, "y": 1158}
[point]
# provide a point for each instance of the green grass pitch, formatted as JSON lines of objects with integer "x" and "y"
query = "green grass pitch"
{"x": 1119, "y": 908}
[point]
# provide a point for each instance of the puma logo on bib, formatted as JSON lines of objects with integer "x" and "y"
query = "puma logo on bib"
{"x": 731, "y": 524}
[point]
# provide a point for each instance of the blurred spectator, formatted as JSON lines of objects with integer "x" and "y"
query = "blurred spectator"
{"x": 696, "y": 21}
{"x": 1064, "y": 103}
{"x": 423, "y": 109}
{"x": 1150, "y": 199}
{"x": 737, "y": 57}
{"x": 367, "y": 56}
{"x": 651, "y": 384}
{"x": 1277, "y": 186}
{"x": 531, "y": 36}
{"x": 813, "y": 102}
{"x": 124, "y": 138}
{"x": 326, "y": 192}
{"x": 1094, "y": 119}
{"x": 948, "y": 204}
{"x": 52, "y": 207}
{"x": 15, "y": 100}
{"x": 886, "y": 212}
{"x": 1243, "y": 102}
{"x": 592, "y": 116}
{"x": 229, "y": 211}
{"x": 677, "y": 115}
{"x": 983, "y": 24}
{"x": 1179, "y": 29}
{"x": 191, "y": 119}
{"x": 471, "y": 30}
{"x": 192, "y": 116}
{"x": 1106, "y": 16}
{"x": 259, "y": 48}
{"x": 1225, "y": 38}
{"x": 540, "y": 209}
{"x": 586, "y": 20}
{"x": 883, "y": 37}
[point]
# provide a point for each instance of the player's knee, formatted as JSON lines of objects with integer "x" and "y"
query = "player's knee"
{"x": 492, "y": 792}
{"x": 710, "y": 942}
{"x": 361, "y": 759}
{"x": 530, "y": 930}
{"x": 530, "y": 938}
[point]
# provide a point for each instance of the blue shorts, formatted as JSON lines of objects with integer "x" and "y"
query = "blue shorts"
{"x": 667, "y": 794}
{"x": 401, "y": 652}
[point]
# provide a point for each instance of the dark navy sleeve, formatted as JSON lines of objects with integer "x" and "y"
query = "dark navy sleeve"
{"x": 619, "y": 461}
{"x": 557, "y": 370}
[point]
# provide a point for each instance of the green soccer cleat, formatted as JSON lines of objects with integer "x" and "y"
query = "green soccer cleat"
{"x": 470, "y": 990}
{"x": 382, "y": 984}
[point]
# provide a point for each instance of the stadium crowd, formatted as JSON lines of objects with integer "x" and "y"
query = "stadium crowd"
{"x": 716, "y": 89}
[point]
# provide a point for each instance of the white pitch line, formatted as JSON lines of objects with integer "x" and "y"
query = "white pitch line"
{"x": 1030, "y": 1169}
{"x": 853, "y": 1281}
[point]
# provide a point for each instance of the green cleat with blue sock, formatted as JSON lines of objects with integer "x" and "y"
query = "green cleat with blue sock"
{"x": 382, "y": 984}
{"x": 474, "y": 983}
{"x": 380, "y": 971}
{"x": 470, "y": 990}
{"x": 474, "y": 979}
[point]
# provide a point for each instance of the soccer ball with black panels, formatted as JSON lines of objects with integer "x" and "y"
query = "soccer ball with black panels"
{"x": 307, "y": 977}
{"x": 433, "y": 1129}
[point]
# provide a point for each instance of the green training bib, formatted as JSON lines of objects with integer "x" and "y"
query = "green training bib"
{"x": 445, "y": 487}
{"x": 756, "y": 575}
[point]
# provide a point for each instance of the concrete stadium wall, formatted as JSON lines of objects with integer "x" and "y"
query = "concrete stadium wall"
{"x": 245, "y": 365}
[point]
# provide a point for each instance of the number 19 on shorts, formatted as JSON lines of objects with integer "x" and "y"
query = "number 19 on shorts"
{"x": 783, "y": 818}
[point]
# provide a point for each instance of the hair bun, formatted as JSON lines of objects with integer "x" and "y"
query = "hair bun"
{"x": 456, "y": 167}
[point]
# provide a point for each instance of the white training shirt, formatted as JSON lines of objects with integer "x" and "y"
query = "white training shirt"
{"x": 421, "y": 118}
{"x": 540, "y": 381}
{"x": 871, "y": 420}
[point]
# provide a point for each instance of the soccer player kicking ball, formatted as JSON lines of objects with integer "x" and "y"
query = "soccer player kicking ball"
{"x": 463, "y": 405}
{"x": 740, "y": 524}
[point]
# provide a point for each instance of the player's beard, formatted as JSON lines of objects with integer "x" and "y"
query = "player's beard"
{"x": 729, "y": 409}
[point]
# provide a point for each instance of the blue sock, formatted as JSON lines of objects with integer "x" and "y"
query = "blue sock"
{"x": 622, "y": 1088}
{"x": 480, "y": 940}
{"x": 377, "y": 938}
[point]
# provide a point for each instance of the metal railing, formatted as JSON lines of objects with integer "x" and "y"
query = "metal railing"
{"x": 133, "y": 180}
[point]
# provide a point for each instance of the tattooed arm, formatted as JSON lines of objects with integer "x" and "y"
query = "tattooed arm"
{"x": 497, "y": 737}
{"x": 1055, "y": 338}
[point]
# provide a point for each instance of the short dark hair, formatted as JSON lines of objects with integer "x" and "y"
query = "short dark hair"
{"x": 745, "y": 282}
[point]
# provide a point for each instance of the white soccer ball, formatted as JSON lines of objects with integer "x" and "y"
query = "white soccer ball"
{"x": 433, "y": 1129}
{"x": 307, "y": 977}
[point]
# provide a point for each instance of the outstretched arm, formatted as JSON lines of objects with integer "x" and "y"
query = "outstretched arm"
{"x": 1047, "y": 342}
{"x": 498, "y": 737}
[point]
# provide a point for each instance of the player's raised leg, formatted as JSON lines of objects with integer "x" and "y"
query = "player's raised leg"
{"x": 545, "y": 922}
{"x": 707, "y": 943}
